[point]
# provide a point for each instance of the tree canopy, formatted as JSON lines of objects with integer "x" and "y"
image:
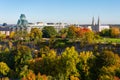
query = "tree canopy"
{"x": 35, "y": 33}
{"x": 49, "y": 31}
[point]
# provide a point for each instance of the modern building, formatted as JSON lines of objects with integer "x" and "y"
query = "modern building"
{"x": 23, "y": 24}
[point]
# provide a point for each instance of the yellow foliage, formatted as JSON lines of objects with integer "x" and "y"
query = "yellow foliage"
{"x": 74, "y": 78}
{"x": 4, "y": 69}
{"x": 12, "y": 34}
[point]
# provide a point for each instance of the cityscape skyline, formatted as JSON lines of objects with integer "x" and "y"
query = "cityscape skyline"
{"x": 68, "y": 11}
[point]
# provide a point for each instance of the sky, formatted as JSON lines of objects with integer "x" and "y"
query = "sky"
{"x": 68, "y": 11}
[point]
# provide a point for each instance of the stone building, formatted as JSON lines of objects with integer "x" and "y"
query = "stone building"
{"x": 98, "y": 27}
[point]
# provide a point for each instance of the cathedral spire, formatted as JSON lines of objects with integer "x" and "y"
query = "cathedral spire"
{"x": 93, "y": 21}
{"x": 98, "y": 21}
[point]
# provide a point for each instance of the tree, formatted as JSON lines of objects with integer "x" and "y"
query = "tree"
{"x": 106, "y": 64}
{"x": 49, "y": 31}
{"x": 105, "y": 33}
{"x": 108, "y": 58}
{"x": 29, "y": 76}
{"x": 22, "y": 55}
{"x": 85, "y": 64}
{"x": 20, "y": 35}
{"x": 35, "y": 34}
{"x": 44, "y": 51}
{"x": 69, "y": 60}
{"x": 71, "y": 32}
{"x": 115, "y": 32}
{"x": 85, "y": 35}
{"x": 4, "y": 24}
{"x": 49, "y": 60}
{"x": 2, "y": 36}
{"x": 63, "y": 32}
{"x": 4, "y": 69}
{"x": 88, "y": 38}
{"x": 12, "y": 35}
{"x": 46, "y": 64}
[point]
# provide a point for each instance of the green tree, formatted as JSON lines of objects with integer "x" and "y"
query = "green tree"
{"x": 20, "y": 35}
{"x": 63, "y": 32}
{"x": 8, "y": 58}
{"x": 105, "y": 33}
{"x": 22, "y": 55}
{"x": 49, "y": 31}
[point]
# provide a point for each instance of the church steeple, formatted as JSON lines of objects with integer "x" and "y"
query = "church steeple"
{"x": 93, "y": 21}
{"x": 98, "y": 21}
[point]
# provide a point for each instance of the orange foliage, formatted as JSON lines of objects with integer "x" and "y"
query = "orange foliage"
{"x": 41, "y": 77}
{"x": 80, "y": 32}
{"x": 30, "y": 76}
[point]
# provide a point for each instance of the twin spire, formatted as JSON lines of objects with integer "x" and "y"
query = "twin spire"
{"x": 93, "y": 22}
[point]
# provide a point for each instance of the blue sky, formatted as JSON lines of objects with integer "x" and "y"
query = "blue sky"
{"x": 69, "y": 11}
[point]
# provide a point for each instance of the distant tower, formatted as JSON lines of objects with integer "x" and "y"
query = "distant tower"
{"x": 93, "y": 22}
{"x": 98, "y": 21}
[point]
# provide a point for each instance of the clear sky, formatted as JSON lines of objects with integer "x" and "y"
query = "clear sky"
{"x": 69, "y": 11}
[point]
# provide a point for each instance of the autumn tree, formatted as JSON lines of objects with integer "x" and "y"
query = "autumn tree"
{"x": 22, "y": 55}
{"x": 88, "y": 38}
{"x": 4, "y": 69}
{"x": 49, "y": 60}
{"x": 106, "y": 63}
{"x": 84, "y": 35}
{"x": 45, "y": 64}
{"x": 85, "y": 64}
{"x": 29, "y": 76}
{"x": 35, "y": 33}
{"x": 69, "y": 60}
{"x": 115, "y": 32}
{"x": 44, "y": 51}
{"x": 2, "y": 36}
{"x": 71, "y": 32}
{"x": 12, "y": 35}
